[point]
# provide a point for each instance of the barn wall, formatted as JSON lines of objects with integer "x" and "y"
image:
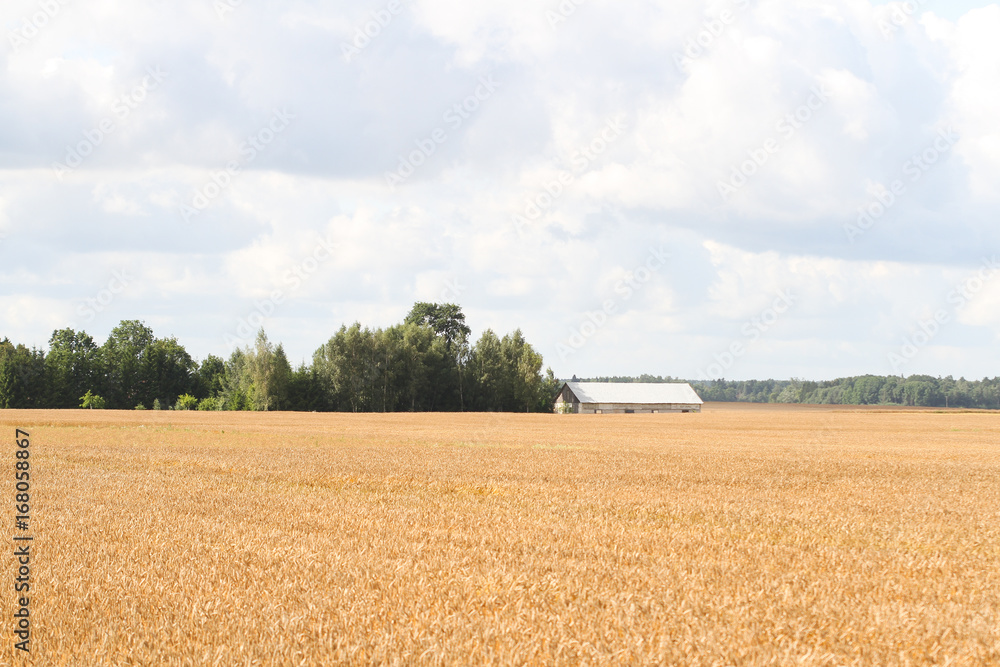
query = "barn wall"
{"x": 637, "y": 408}
{"x": 567, "y": 397}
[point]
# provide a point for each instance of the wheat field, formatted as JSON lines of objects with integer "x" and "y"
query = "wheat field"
{"x": 745, "y": 535}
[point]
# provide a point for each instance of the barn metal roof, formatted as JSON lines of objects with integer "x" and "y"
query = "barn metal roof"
{"x": 634, "y": 392}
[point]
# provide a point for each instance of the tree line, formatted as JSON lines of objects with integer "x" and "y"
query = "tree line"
{"x": 915, "y": 390}
{"x": 426, "y": 363}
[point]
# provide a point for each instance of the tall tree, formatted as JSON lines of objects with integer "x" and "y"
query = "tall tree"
{"x": 268, "y": 372}
{"x": 123, "y": 355}
{"x": 22, "y": 376}
{"x": 260, "y": 364}
{"x": 524, "y": 368}
{"x": 305, "y": 391}
{"x": 237, "y": 387}
{"x": 168, "y": 371}
{"x": 445, "y": 319}
{"x": 72, "y": 367}
{"x": 210, "y": 377}
{"x": 488, "y": 374}
{"x": 280, "y": 378}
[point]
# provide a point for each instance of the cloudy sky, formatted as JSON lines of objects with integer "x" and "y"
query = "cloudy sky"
{"x": 740, "y": 188}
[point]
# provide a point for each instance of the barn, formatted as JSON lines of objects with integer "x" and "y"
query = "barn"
{"x": 626, "y": 398}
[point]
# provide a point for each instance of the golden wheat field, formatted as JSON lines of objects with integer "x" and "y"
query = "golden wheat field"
{"x": 744, "y": 535}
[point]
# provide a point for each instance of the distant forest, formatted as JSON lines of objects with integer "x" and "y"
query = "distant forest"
{"x": 915, "y": 390}
{"x": 425, "y": 363}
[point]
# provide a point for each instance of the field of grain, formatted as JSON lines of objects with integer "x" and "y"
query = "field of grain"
{"x": 739, "y": 536}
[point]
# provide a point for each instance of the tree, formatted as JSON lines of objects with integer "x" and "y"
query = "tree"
{"x": 281, "y": 378}
{"x": 22, "y": 376}
{"x": 236, "y": 384}
{"x": 548, "y": 391}
{"x": 209, "y": 378}
{"x": 488, "y": 379}
{"x": 123, "y": 355}
{"x": 260, "y": 369}
{"x": 305, "y": 392}
{"x": 72, "y": 366}
{"x": 91, "y": 401}
{"x": 448, "y": 324}
{"x": 343, "y": 364}
{"x": 168, "y": 370}
{"x": 8, "y": 375}
{"x": 425, "y": 373}
{"x": 524, "y": 367}
{"x": 268, "y": 371}
{"x": 254, "y": 378}
{"x": 186, "y": 402}
{"x": 446, "y": 320}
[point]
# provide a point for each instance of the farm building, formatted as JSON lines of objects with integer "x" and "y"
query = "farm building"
{"x": 627, "y": 397}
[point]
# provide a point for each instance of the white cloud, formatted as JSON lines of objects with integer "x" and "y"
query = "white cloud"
{"x": 974, "y": 98}
{"x": 686, "y": 129}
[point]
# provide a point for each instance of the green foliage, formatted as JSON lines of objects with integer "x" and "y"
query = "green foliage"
{"x": 91, "y": 401}
{"x": 210, "y": 403}
{"x": 405, "y": 367}
{"x": 426, "y": 364}
{"x": 209, "y": 378}
{"x": 548, "y": 391}
{"x": 505, "y": 375}
{"x": 186, "y": 402}
{"x": 22, "y": 377}
{"x": 445, "y": 320}
{"x": 140, "y": 368}
{"x": 268, "y": 372}
{"x": 305, "y": 392}
{"x": 916, "y": 390}
{"x": 123, "y": 355}
{"x": 168, "y": 370}
{"x": 72, "y": 366}
{"x": 423, "y": 364}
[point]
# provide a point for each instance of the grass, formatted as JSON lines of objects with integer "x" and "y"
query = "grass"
{"x": 744, "y": 536}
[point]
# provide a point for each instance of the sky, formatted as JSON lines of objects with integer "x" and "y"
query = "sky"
{"x": 735, "y": 188}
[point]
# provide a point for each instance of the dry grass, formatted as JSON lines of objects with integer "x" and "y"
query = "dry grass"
{"x": 734, "y": 537}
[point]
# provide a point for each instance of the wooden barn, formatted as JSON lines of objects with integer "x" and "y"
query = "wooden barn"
{"x": 591, "y": 398}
